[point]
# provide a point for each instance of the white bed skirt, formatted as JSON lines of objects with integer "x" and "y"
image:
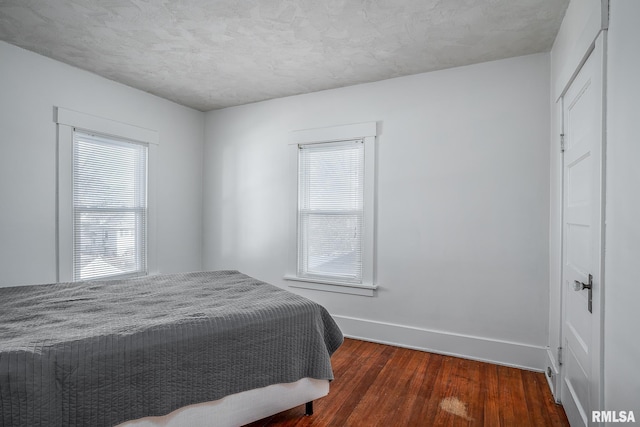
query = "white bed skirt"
{"x": 240, "y": 408}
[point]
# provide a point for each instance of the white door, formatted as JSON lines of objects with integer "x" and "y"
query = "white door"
{"x": 582, "y": 242}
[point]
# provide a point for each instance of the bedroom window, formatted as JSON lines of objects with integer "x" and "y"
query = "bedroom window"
{"x": 109, "y": 207}
{"x": 332, "y": 230}
{"x": 106, "y": 198}
{"x": 330, "y": 210}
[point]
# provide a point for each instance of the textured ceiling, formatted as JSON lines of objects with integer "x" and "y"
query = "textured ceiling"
{"x": 209, "y": 54}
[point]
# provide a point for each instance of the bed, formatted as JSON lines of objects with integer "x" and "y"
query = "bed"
{"x": 160, "y": 350}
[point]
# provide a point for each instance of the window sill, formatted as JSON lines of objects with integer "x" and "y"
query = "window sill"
{"x": 330, "y": 286}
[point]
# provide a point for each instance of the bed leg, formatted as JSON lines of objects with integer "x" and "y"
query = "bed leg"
{"x": 308, "y": 408}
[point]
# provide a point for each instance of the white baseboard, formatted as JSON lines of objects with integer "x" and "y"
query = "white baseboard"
{"x": 500, "y": 352}
{"x": 554, "y": 379}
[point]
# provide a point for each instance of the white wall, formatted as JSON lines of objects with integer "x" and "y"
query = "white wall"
{"x": 30, "y": 86}
{"x": 622, "y": 290}
{"x": 463, "y": 202}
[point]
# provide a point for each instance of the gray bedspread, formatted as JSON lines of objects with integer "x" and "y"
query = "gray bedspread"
{"x": 101, "y": 353}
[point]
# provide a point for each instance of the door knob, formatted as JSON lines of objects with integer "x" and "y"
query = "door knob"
{"x": 578, "y": 286}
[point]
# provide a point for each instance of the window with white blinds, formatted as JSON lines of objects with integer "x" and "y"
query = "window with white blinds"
{"x": 109, "y": 207}
{"x": 330, "y": 210}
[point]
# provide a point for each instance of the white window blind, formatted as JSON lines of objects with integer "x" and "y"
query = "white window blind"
{"x": 109, "y": 207}
{"x": 330, "y": 210}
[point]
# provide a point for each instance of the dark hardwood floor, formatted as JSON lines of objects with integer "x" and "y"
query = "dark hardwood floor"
{"x": 381, "y": 385}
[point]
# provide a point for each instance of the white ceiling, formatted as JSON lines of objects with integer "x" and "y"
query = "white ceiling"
{"x": 210, "y": 54}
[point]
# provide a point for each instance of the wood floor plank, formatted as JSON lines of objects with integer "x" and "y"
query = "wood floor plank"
{"x": 431, "y": 413}
{"x": 536, "y": 405}
{"x": 490, "y": 395}
{"x": 400, "y": 404}
{"x": 381, "y": 385}
{"x": 355, "y": 386}
{"x": 541, "y": 404}
{"x": 384, "y": 395}
{"x": 512, "y": 394}
{"x": 463, "y": 394}
{"x": 420, "y": 415}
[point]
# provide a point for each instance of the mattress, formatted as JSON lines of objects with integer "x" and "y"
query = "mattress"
{"x": 101, "y": 353}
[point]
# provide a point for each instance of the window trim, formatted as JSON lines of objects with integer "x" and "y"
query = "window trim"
{"x": 67, "y": 121}
{"x": 367, "y": 132}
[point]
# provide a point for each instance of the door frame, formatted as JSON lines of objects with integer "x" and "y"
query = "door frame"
{"x": 598, "y": 47}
